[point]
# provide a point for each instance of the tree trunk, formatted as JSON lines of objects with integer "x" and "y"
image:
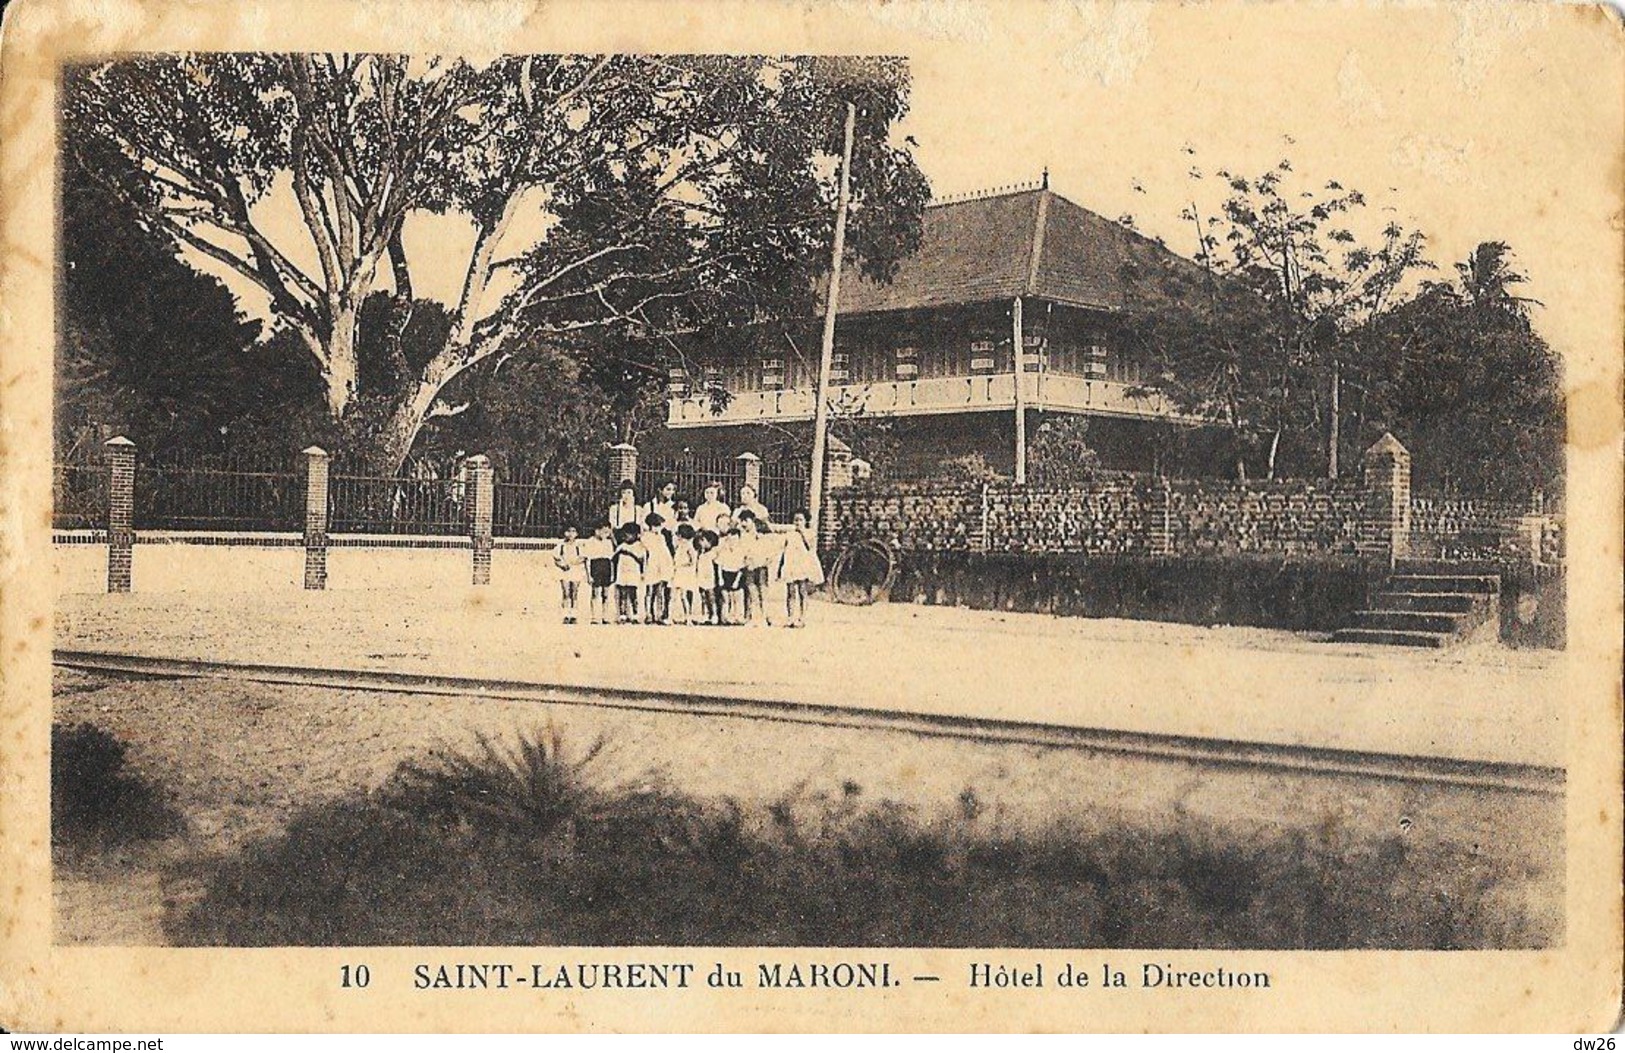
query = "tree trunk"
{"x": 392, "y": 443}
{"x": 341, "y": 374}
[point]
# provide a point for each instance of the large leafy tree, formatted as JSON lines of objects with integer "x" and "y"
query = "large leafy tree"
{"x": 614, "y": 200}
{"x": 1256, "y": 334}
{"x": 151, "y": 347}
{"x": 1460, "y": 373}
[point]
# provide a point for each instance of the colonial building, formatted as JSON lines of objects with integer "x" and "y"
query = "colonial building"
{"x": 1003, "y": 318}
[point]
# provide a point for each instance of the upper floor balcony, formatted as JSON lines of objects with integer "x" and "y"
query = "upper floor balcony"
{"x": 983, "y": 392}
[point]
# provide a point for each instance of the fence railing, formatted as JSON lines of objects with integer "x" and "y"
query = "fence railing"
{"x": 692, "y": 474}
{"x": 543, "y": 508}
{"x": 784, "y": 488}
{"x": 371, "y": 504}
{"x": 1452, "y": 527}
{"x": 217, "y": 493}
{"x": 79, "y": 496}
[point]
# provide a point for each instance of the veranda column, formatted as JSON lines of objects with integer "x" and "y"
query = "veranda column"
{"x": 120, "y": 453}
{"x": 316, "y": 468}
{"x": 1385, "y": 527}
{"x": 482, "y": 490}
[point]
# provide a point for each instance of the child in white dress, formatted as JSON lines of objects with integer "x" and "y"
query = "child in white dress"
{"x": 657, "y": 571}
{"x": 705, "y": 577}
{"x": 802, "y": 571}
{"x": 685, "y": 577}
{"x": 629, "y": 558}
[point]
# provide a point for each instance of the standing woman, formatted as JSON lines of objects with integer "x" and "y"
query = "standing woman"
{"x": 625, "y": 510}
{"x": 802, "y": 571}
{"x": 749, "y": 503}
{"x": 711, "y": 511}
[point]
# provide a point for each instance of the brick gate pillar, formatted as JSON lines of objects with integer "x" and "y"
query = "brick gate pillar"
{"x": 1385, "y": 524}
{"x": 120, "y": 453}
{"x": 481, "y": 495}
{"x": 316, "y": 468}
{"x": 750, "y": 472}
{"x": 623, "y": 464}
{"x": 838, "y": 465}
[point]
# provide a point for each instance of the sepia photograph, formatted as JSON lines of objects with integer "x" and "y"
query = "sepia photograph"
{"x": 878, "y": 495}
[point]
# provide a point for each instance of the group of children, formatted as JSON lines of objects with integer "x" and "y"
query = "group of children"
{"x": 661, "y": 564}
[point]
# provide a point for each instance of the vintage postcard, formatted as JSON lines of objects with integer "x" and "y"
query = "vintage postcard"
{"x": 785, "y": 516}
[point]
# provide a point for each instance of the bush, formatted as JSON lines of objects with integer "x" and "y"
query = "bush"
{"x": 95, "y": 798}
{"x": 648, "y": 866}
{"x": 531, "y": 786}
{"x": 1316, "y": 595}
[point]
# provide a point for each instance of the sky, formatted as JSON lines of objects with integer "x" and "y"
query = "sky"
{"x": 1481, "y": 121}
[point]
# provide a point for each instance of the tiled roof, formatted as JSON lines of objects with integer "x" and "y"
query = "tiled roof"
{"x": 1027, "y": 243}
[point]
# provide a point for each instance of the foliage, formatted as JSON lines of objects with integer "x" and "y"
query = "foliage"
{"x": 96, "y": 797}
{"x": 1253, "y": 334}
{"x": 153, "y": 348}
{"x": 967, "y": 469}
{"x": 1059, "y": 454}
{"x": 656, "y": 868}
{"x": 617, "y": 198}
{"x": 1460, "y": 373}
{"x": 531, "y": 785}
{"x": 1308, "y": 340}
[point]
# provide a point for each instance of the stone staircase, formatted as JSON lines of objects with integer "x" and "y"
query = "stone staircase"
{"x": 1429, "y": 607}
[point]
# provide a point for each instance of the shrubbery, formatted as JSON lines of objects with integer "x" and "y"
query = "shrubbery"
{"x": 517, "y": 846}
{"x": 95, "y": 797}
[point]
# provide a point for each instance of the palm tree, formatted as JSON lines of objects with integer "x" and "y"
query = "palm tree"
{"x": 1487, "y": 278}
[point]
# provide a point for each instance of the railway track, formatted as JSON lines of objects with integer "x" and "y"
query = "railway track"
{"x": 1517, "y": 778}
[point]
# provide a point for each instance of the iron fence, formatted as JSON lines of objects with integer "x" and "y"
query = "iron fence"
{"x": 543, "y": 508}
{"x": 218, "y": 493}
{"x": 79, "y": 496}
{"x": 784, "y": 488}
{"x": 692, "y": 474}
{"x": 378, "y": 504}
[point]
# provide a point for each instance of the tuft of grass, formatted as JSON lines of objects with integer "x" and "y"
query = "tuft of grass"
{"x": 96, "y": 798}
{"x": 521, "y": 847}
{"x": 529, "y": 787}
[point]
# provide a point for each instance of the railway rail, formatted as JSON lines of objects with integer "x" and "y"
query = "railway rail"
{"x": 1517, "y": 778}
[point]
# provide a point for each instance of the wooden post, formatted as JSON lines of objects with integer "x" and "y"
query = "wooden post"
{"x": 815, "y": 489}
{"x": 1021, "y": 401}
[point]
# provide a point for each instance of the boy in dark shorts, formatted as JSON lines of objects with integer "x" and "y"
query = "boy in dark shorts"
{"x": 599, "y": 553}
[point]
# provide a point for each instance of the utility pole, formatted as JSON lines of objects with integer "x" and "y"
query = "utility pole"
{"x": 1337, "y": 421}
{"x": 1021, "y": 401}
{"x": 815, "y": 497}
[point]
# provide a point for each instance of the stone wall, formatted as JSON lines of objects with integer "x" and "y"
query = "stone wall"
{"x": 1370, "y": 513}
{"x": 1291, "y": 517}
{"x": 1120, "y": 514}
{"x": 920, "y": 518}
{"x": 1113, "y": 516}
